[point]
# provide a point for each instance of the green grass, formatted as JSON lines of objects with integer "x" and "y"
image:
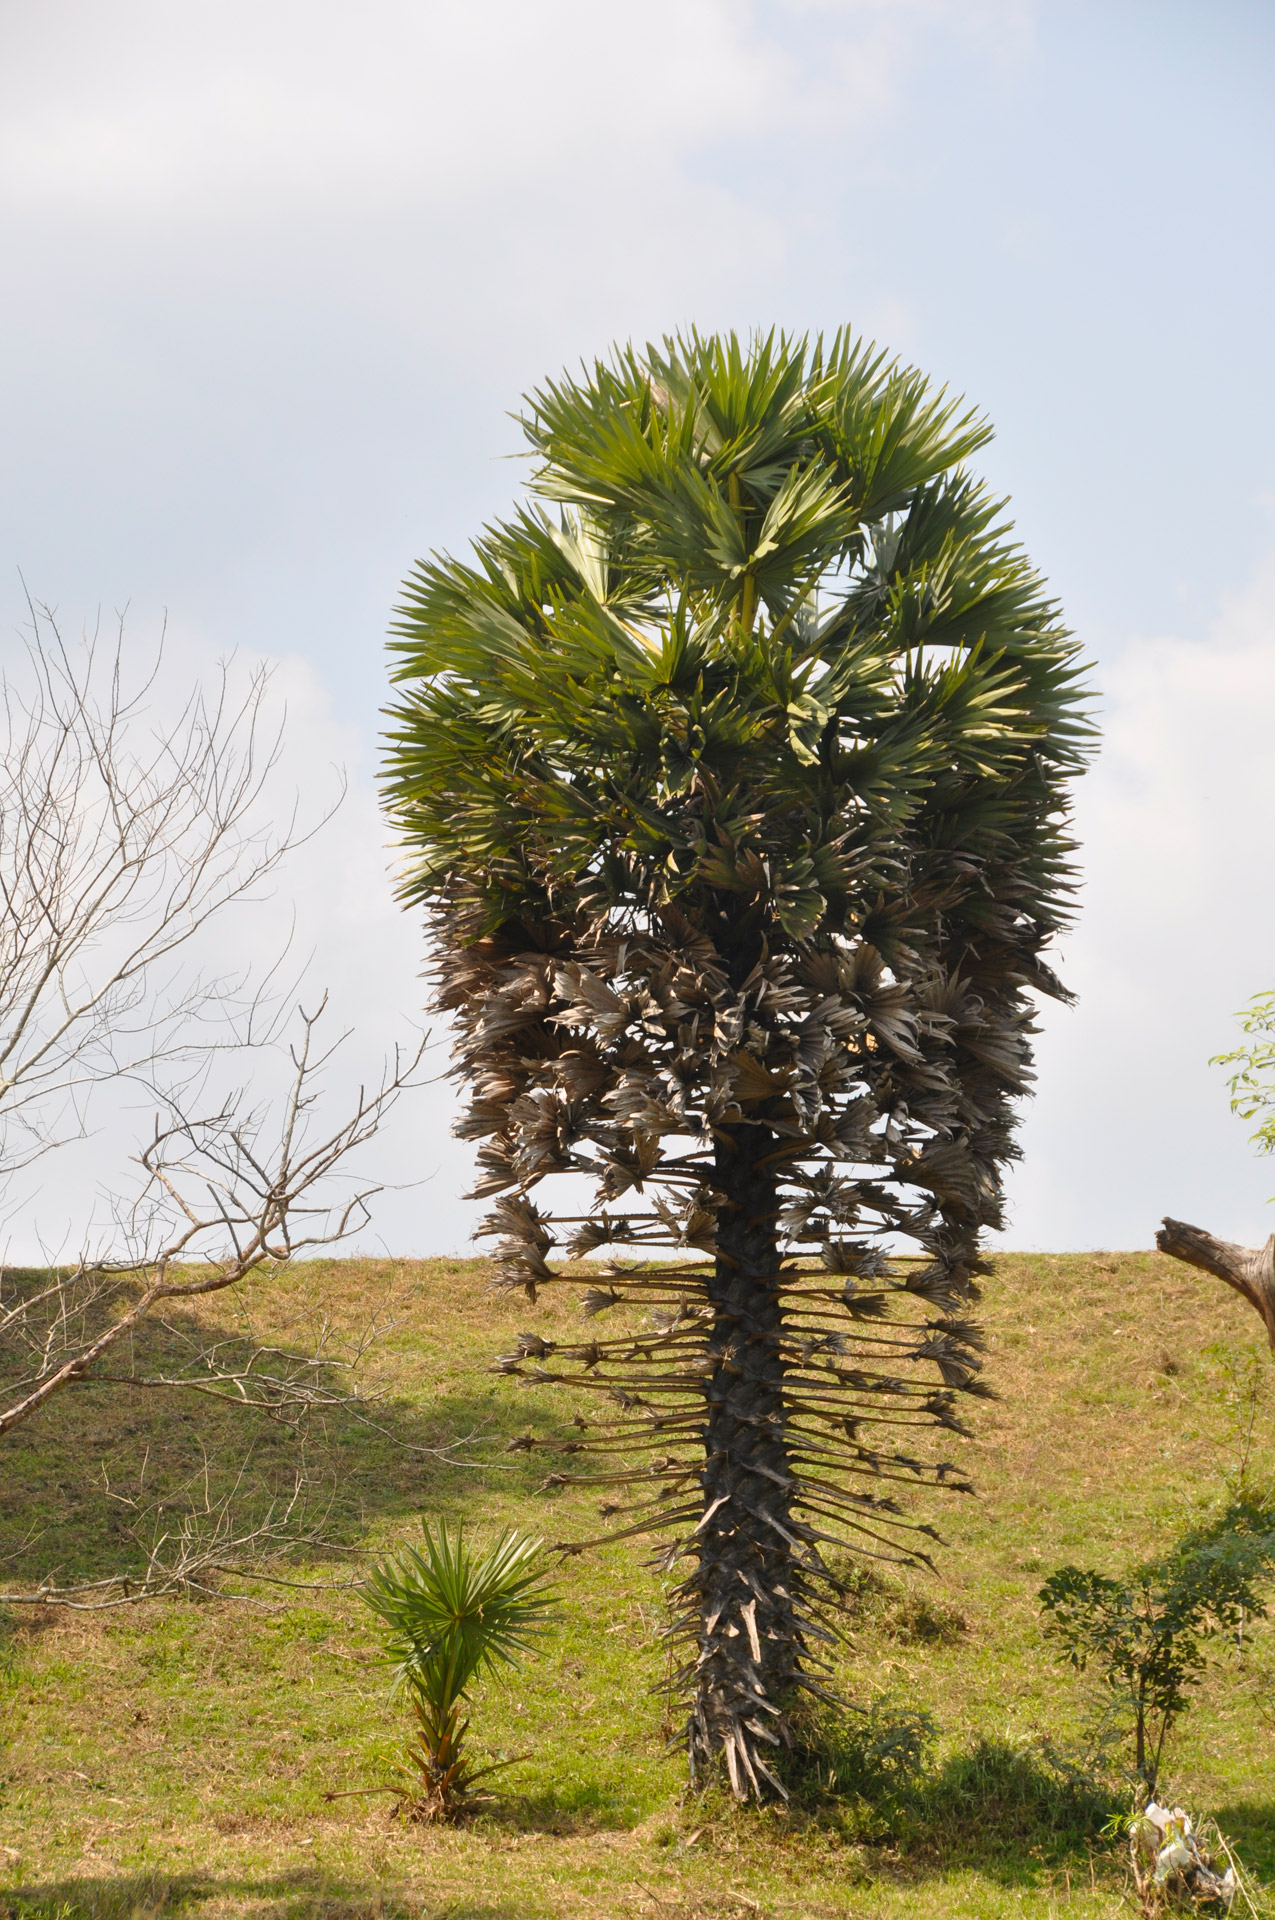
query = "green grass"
{"x": 171, "y": 1759}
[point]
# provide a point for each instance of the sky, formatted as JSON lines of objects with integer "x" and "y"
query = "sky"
{"x": 276, "y": 275}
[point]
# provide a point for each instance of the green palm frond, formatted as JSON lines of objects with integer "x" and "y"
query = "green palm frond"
{"x": 453, "y": 1614}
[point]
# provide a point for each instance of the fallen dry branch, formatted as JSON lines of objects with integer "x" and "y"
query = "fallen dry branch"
{"x": 1249, "y": 1270}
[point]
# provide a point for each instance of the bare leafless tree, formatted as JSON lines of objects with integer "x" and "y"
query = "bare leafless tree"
{"x": 121, "y": 838}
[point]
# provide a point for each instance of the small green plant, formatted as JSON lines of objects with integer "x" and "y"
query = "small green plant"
{"x": 8, "y": 1654}
{"x": 1253, "y": 1082}
{"x": 1146, "y": 1632}
{"x": 1246, "y": 1393}
{"x": 452, "y": 1615}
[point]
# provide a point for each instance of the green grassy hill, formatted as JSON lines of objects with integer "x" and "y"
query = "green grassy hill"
{"x": 172, "y": 1758}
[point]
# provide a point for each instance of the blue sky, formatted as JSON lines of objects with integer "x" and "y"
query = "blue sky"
{"x": 276, "y": 274}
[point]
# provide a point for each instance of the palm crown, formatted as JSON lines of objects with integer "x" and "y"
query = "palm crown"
{"x": 768, "y": 615}
{"x": 734, "y": 778}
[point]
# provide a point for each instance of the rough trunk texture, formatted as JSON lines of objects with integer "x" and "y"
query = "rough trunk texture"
{"x": 750, "y": 1644}
{"x": 1250, "y": 1270}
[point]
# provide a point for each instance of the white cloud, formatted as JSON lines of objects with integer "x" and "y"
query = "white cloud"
{"x": 264, "y": 109}
{"x": 1177, "y": 932}
{"x": 149, "y": 109}
{"x": 498, "y": 183}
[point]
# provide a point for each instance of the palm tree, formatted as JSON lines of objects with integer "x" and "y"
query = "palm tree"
{"x": 452, "y": 1616}
{"x": 732, "y": 777}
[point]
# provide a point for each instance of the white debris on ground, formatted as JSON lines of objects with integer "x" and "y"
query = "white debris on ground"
{"x": 1167, "y": 1849}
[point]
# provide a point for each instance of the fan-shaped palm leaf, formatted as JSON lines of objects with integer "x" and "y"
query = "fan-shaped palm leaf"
{"x": 452, "y": 1614}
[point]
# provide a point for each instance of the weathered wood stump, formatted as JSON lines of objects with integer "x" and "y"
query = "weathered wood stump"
{"x": 1250, "y": 1270}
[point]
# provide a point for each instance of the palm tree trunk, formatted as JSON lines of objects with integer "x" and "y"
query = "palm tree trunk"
{"x": 749, "y": 1639}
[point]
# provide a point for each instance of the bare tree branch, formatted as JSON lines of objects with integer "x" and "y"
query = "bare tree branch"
{"x": 217, "y": 1204}
{"x": 1249, "y": 1270}
{"x": 120, "y": 839}
{"x": 207, "y": 1541}
{"x": 124, "y": 833}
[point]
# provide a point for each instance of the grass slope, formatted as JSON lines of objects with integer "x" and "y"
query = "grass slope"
{"x": 172, "y": 1758}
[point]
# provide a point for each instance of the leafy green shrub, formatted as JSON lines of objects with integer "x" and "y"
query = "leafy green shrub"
{"x": 1145, "y": 1634}
{"x": 1245, "y": 1381}
{"x": 886, "y": 1752}
{"x": 452, "y": 1615}
{"x": 1253, "y": 1082}
{"x": 8, "y": 1652}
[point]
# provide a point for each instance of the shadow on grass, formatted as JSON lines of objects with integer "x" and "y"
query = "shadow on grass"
{"x": 1008, "y": 1810}
{"x": 95, "y": 1478}
{"x": 301, "y": 1894}
{"x": 1249, "y": 1825}
{"x": 565, "y": 1813}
